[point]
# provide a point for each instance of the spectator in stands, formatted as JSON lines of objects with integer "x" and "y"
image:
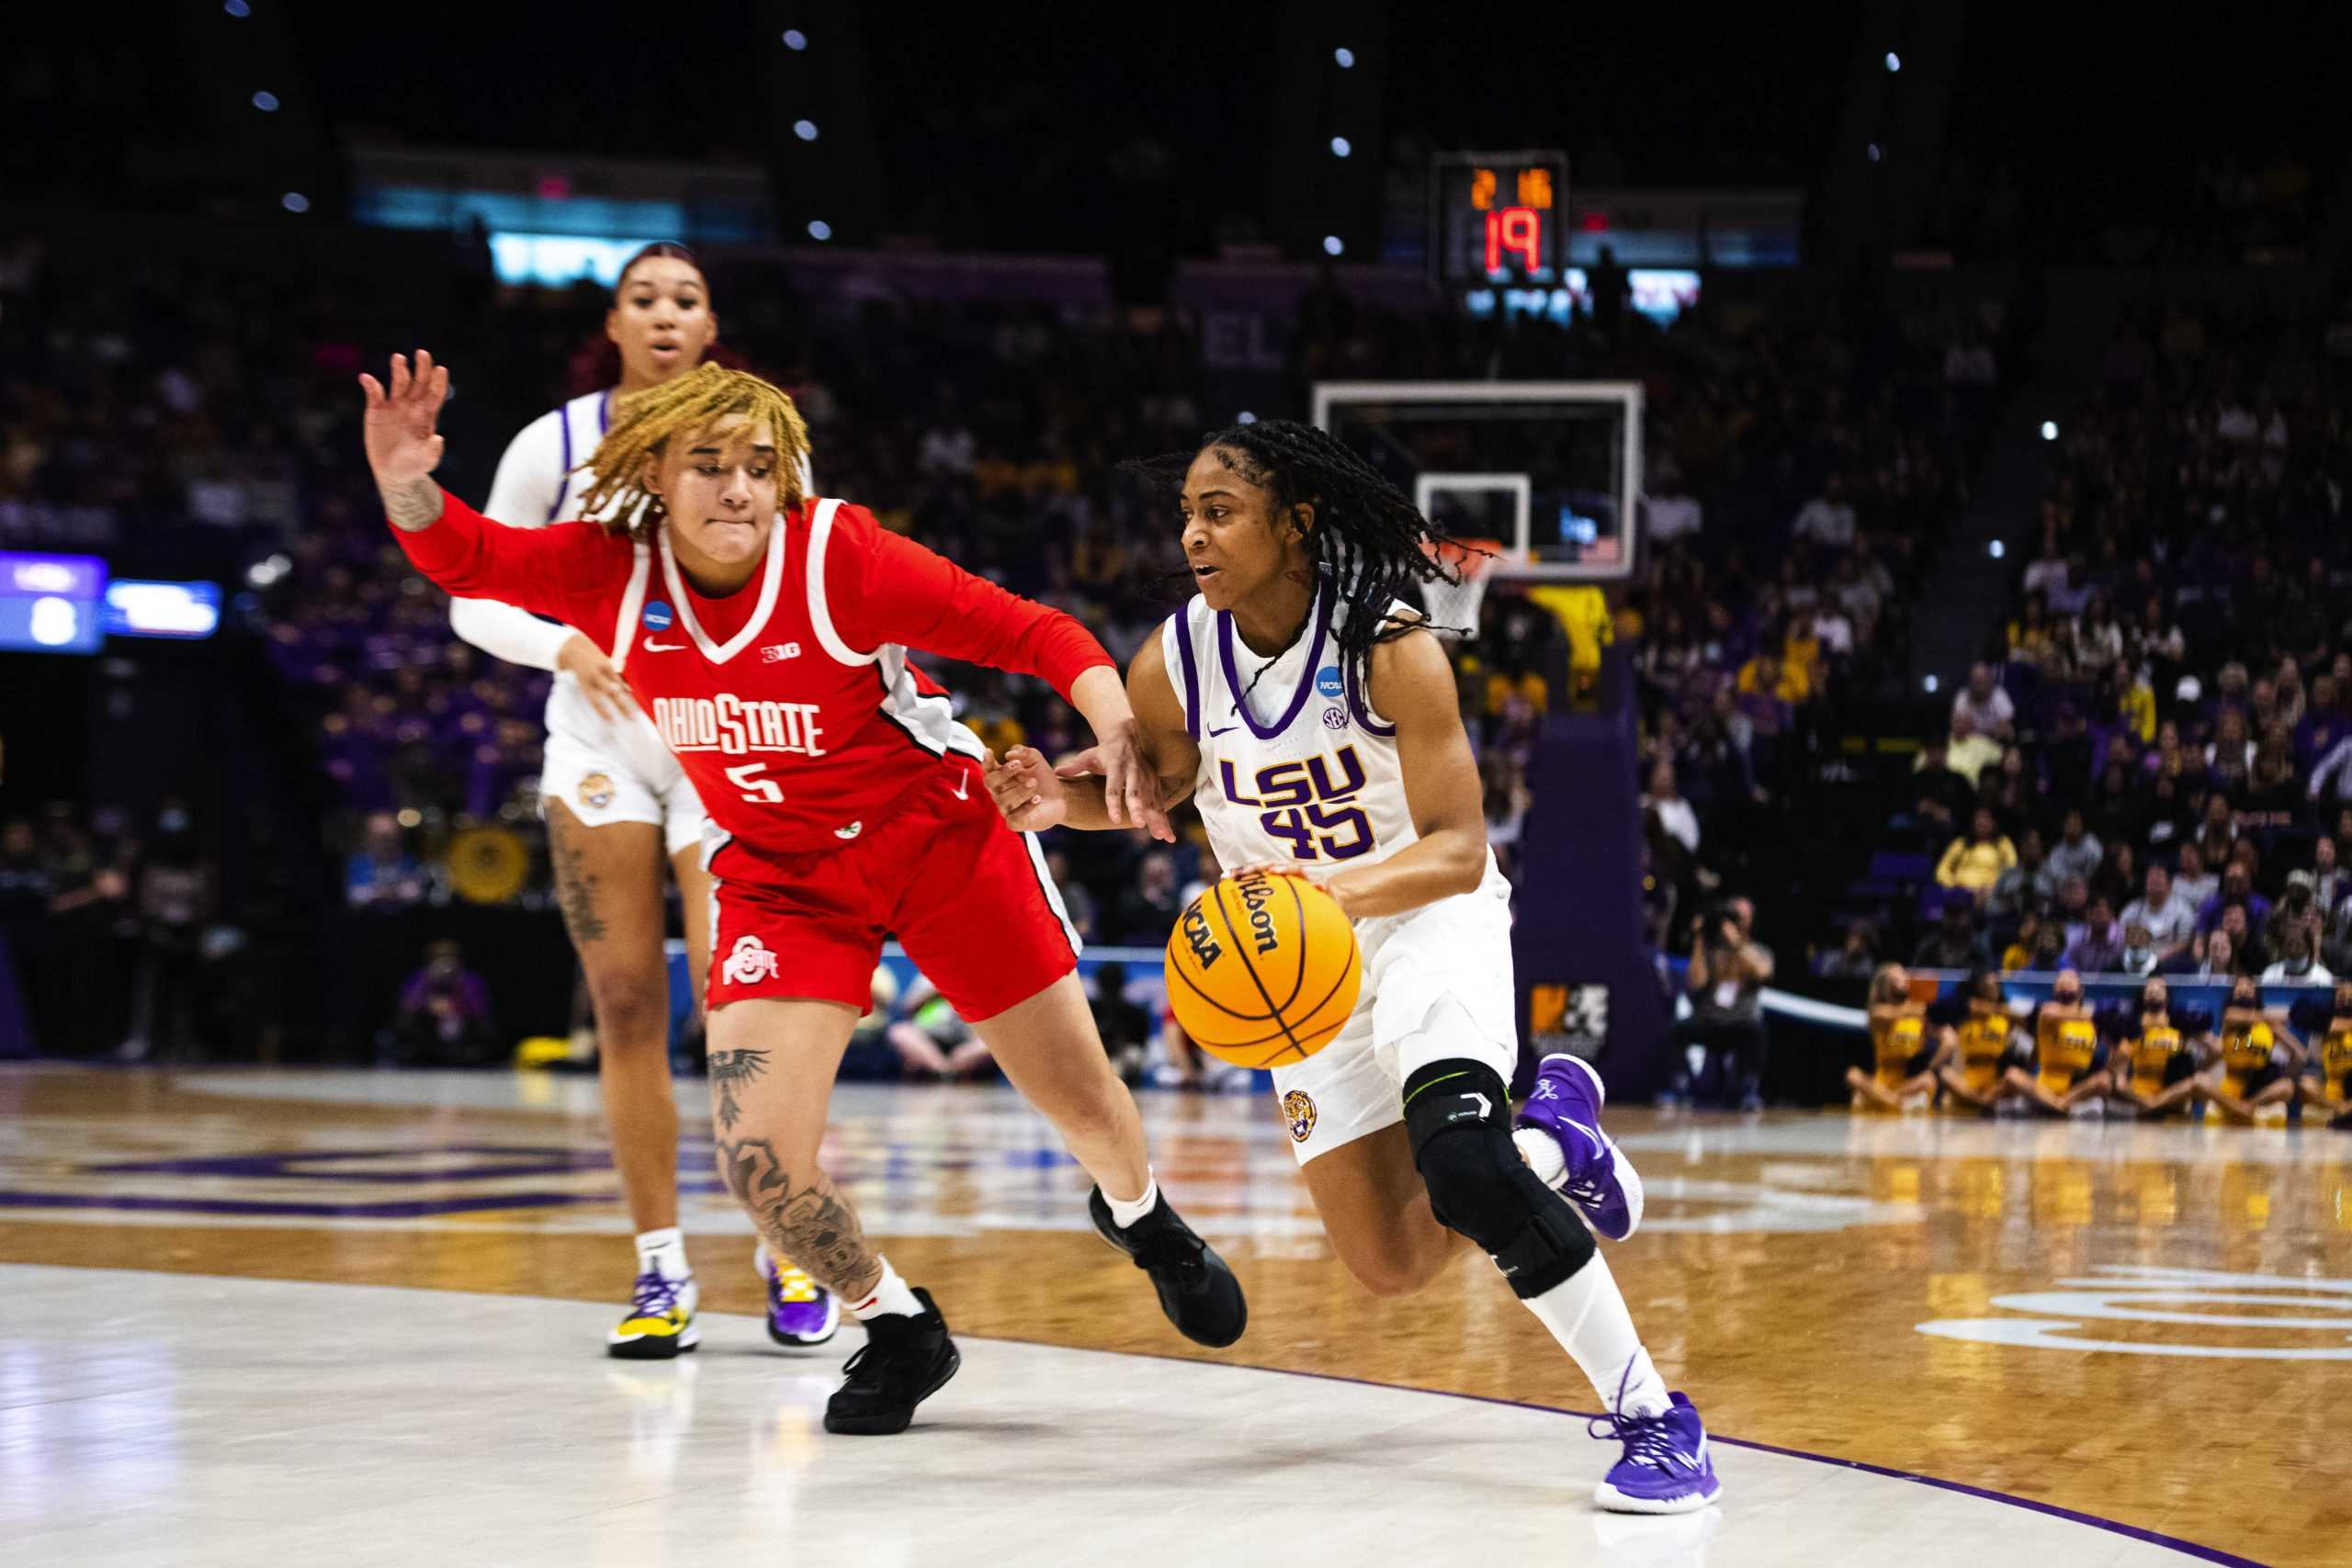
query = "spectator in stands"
{"x": 1828, "y": 518}
{"x": 173, "y": 899}
{"x": 2192, "y": 881}
{"x": 932, "y": 1039}
{"x": 2140, "y": 955}
{"x": 2020, "y": 953}
{"x": 2018, "y": 888}
{"x": 2078, "y": 853}
{"x": 1975, "y": 862}
{"x": 1671, "y": 511}
{"x": 1148, "y": 912}
{"x": 2331, "y": 783}
{"x": 1076, "y": 901}
{"x": 2298, "y": 905}
{"x": 2098, "y": 948}
{"x": 2299, "y": 961}
{"x": 382, "y": 874}
{"x": 2213, "y": 957}
{"x": 2331, "y": 882}
{"x": 1969, "y": 753}
{"x": 1855, "y": 958}
{"x": 1939, "y": 796}
{"x": 1725, "y": 983}
{"x": 1988, "y": 708}
{"x": 1955, "y": 942}
{"x": 444, "y": 1017}
{"x": 2169, "y": 920}
{"x": 1674, "y": 813}
{"x": 2237, "y": 892}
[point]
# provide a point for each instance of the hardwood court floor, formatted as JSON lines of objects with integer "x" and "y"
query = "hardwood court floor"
{"x": 2142, "y": 1334}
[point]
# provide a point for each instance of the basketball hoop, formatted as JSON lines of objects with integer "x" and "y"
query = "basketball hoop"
{"x": 1453, "y": 600}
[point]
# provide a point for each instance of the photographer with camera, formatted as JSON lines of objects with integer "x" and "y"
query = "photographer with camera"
{"x": 1725, "y": 983}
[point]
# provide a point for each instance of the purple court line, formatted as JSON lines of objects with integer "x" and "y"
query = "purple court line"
{"x": 411, "y": 1209}
{"x": 2072, "y": 1516}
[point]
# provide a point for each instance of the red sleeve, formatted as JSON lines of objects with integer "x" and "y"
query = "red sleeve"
{"x": 881, "y": 588}
{"x": 560, "y": 571}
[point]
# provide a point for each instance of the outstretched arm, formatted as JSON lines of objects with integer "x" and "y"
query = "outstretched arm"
{"x": 1033, "y": 797}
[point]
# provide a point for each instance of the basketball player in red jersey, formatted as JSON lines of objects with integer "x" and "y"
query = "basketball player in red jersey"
{"x": 840, "y": 793}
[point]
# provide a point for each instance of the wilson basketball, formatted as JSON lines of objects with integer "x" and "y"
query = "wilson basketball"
{"x": 1263, "y": 970}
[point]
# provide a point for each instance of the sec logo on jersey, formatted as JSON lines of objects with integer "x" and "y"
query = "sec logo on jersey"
{"x": 659, "y": 616}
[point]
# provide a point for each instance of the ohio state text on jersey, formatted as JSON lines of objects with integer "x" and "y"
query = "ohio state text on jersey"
{"x": 790, "y": 703}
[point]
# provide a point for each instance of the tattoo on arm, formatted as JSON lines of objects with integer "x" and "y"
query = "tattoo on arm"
{"x": 575, "y": 887}
{"x": 414, "y": 504}
{"x": 729, "y": 1069}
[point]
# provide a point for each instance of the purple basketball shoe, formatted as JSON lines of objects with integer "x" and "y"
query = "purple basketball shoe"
{"x": 1566, "y": 1103}
{"x": 801, "y": 1313}
{"x": 1666, "y": 1468}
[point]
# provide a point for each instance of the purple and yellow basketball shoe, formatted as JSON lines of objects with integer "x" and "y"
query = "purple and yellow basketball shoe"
{"x": 801, "y": 1313}
{"x": 1666, "y": 1468}
{"x": 1600, "y": 1181}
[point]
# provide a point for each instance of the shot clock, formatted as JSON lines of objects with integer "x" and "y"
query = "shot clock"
{"x": 1497, "y": 220}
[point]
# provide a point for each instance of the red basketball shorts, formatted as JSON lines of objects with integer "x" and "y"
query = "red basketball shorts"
{"x": 966, "y": 896}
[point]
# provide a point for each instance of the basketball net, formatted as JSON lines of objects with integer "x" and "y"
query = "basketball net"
{"x": 1454, "y": 605}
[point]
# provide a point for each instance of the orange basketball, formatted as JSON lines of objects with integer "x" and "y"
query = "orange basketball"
{"x": 1263, "y": 970}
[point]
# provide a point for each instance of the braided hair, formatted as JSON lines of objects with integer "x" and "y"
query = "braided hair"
{"x": 644, "y": 423}
{"x": 1367, "y": 540}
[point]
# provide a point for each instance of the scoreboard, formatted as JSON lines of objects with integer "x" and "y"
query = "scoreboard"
{"x": 1498, "y": 219}
{"x": 51, "y": 603}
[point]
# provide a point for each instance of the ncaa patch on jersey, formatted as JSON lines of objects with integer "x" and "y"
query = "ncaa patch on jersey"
{"x": 1298, "y": 1110}
{"x": 658, "y": 617}
{"x": 1327, "y": 681}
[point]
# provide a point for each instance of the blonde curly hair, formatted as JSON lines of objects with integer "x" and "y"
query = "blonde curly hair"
{"x": 644, "y": 423}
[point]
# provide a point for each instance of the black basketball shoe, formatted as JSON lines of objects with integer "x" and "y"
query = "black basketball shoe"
{"x": 1197, "y": 1291}
{"x": 905, "y": 1362}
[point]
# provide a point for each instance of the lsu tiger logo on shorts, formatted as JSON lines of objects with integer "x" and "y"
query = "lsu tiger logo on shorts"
{"x": 597, "y": 792}
{"x": 1298, "y": 1110}
{"x": 749, "y": 963}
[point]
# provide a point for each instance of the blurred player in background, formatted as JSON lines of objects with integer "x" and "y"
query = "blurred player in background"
{"x": 617, "y": 806}
{"x": 1905, "y": 1048}
{"x": 933, "y": 1042}
{"x": 840, "y": 789}
{"x": 1315, "y": 720}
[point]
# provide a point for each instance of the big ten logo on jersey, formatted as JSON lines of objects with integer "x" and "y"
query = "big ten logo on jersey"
{"x": 1306, "y": 804}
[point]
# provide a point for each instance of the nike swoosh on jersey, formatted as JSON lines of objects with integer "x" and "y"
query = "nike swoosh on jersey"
{"x": 652, "y": 647}
{"x": 1227, "y": 731}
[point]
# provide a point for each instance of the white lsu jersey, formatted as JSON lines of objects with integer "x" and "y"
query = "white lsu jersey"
{"x": 1295, "y": 766}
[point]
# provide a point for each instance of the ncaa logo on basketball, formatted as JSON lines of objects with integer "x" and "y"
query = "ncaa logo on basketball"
{"x": 597, "y": 792}
{"x": 1298, "y": 1110}
{"x": 1327, "y": 681}
{"x": 658, "y": 617}
{"x": 1202, "y": 940}
{"x": 750, "y": 963}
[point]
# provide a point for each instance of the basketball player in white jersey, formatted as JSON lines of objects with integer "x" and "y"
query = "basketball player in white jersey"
{"x": 1314, "y": 720}
{"x": 616, "y": 805}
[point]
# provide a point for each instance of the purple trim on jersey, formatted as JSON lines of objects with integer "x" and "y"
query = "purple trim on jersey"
{"x": 1305, "y": 677}
{"x": 1182, "y": 621}
{"x": 605, "y": 412}
{"x": 563, "y": 480}
{"x": 1358, "y": 707}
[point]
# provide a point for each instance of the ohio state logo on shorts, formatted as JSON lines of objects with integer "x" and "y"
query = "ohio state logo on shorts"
{"x": 749, "y": 963}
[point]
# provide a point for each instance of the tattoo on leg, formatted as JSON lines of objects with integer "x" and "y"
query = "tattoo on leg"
{"x": 753, "y": 1173}
{"x": 821, "y": 1232}
{"x": 575, "y": 889}
{"x": 729, "y": 1069}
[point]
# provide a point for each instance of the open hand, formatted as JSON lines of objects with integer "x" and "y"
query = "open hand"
{"x": 1130, "y": 795}
{"x": 1031, "y": 798}
{"x": 607, "y": 691}
{"x": 403, "y": 445}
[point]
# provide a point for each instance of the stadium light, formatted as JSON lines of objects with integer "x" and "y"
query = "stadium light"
{"x": 1245, "y": 417}
{"x": 2050, "y": 430}
{"x": 266, "y": 102}
{"x": 1341, "y": 147}
{"x": 820, "y": 230}
{"x": 237, "y": 8}
{"x": 1345, "y": 57}
{"x": 1333, "y": 245}
{"x": 1996, "y": 549}
{"x": 1873, "y": 153}
{"x": 295, "y": 201}
{"x": 795, "y": 40}
{"x": 805, "y": 128}
{"x": 1930, "y": 683}
{"x": 1893, "y": 60}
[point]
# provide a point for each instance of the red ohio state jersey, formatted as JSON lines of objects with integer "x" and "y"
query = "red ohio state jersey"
{"x": 790, "y": 702}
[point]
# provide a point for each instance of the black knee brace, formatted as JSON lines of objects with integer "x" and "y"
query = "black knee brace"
{"x": 1457, "y": 1113}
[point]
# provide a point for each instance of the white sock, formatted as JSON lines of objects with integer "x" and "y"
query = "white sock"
{"x": 1126, "y": 1211}
{"x": 1589, "y": 1318}
{"x": 663, "y": 1252}
{"x": 890, "y": 1297}
{"x": 1543, "y": 1154}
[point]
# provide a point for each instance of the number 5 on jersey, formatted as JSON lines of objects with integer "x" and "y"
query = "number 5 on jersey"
{"x": 765, "y": 792}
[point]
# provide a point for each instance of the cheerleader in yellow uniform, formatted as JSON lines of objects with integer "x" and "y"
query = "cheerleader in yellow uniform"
{"x": 1982, "y": 1046}
{"x": 1903, "y": 1054}
{"x": 2155, "y": 1070}
{"x": 2251, "y": 1078}
{"x": 2325, "y": 1087}
{"x": 2069, "y": 1066}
